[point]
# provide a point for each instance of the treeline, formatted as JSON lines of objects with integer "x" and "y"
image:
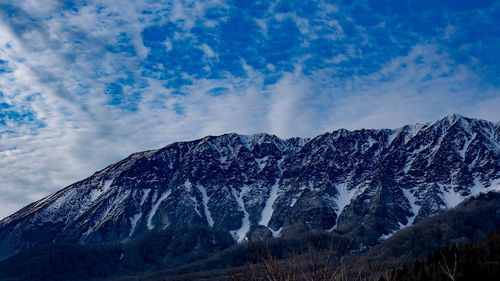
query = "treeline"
{"x": 480, "y": 261}
{"x": 61, "y": 262}
{"x": 150, "y": 252}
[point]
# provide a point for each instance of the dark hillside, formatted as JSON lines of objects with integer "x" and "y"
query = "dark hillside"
{"x": 470, "y": 221}
{"x": 479, "y": 261}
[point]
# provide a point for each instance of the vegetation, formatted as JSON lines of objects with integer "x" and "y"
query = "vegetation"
{"x": 480, "y": 261}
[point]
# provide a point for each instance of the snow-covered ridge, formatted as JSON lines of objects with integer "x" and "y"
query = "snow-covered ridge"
{"x": 241, "y": 183}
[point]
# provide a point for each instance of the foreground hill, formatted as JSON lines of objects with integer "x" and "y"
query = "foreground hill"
{"x": 237, "y": 187}
{"x": 469, "y": 222}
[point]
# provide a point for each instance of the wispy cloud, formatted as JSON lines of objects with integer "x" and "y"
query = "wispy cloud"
{"x": 85, "y": 84}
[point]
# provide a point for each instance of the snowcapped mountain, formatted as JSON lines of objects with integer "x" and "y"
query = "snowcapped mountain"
{"x": 376, "y": 181}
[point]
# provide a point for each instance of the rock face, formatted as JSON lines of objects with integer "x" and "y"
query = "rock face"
{"x": 253, "y": 186}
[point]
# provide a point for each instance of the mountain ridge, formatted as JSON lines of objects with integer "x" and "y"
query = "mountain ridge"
{"x": 259, "y": 185}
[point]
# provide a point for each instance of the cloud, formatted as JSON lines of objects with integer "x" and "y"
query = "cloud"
{"x": 82, "y": 86}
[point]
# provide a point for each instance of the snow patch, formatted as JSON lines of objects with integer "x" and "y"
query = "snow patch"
{"x": 195, "y": 203}
{"x": 453, "y": 198}
{"x": 262, "y": 162}
{"x": 450, "y": 197}
{"x": 414, "y": 207}
{"x": 63, "y": 199}
{"x": 466, "y": 146}
{"x": 155, "y": 208}
{"x": 385, "y": 236}
{"x": 223, "y": 159}
{"x": 133, "y": 222}
{"x": 371, "y": 142}
{"x": 268, "y": 210}
{"x": 437, "y": 146}
{"x": 240, "y": 234}
{"x": 480, "y": 188}
{"x": 344, "y": 197}
{"x": 205, "y": 197}
{"x": 188, "y": 185}
{"x": 244, "y": 141}
{"x": 276, "y": 233}
{"x": 392, "y": 136}
{"x": 96, "y": 193}
{"x": 413, "y": 157}
{"x": 414, "y": 130}
{"x": 145, "y": 195}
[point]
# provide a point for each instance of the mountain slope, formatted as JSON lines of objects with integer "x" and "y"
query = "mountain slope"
{"x": 469, "y": 222}
{"x": 374, "y": 180}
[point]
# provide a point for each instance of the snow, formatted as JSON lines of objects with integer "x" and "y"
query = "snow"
{"x": 240, "y": 234}
{"x": 122, "y": 196}
{"x": 223, "y": 159}
{"x": 479, "y": 187}
{"x": 453, "y": 198}
{"x": 145, "y": 195}
{"x": 276, "y": 233}
{"x": 208, "y": 215}
{"x": 414, "y": 207}
{"x": 188, "y": 185}
{"x": 413, "y": 157}
{"x": 268, "y": 210}
{"x": 262, "y": 162}
{"x": 102, "y": 217}
{"x": 371, "y": 142}
{"x": 343, "y": 198}
{"x": 393, "y": 135}
{"x": 155, "y": 195}
{"x": 438, "y": 145}
{"x": 495, "y": 186}
{"x": 414, "y": 130}
{"x": 96, "y": 193}
{"x": 279, "y": 165}
{"x": 244, "y": 141}
{"x": 155, "y": 208}
{"x": 63, "y": 199}
{"x": 133, "y": 222}
{"x": 466, "y": 146}
{"x": 450, "y": 196}
{"x": 385, "y": 236}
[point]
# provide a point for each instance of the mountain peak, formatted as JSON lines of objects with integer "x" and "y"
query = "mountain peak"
{"x": 249, "y": 186}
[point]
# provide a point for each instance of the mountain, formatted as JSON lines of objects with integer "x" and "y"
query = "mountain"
{"x": 370, "y": 181}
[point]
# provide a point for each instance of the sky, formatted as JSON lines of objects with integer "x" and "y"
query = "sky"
{"x": 84, "y": 84}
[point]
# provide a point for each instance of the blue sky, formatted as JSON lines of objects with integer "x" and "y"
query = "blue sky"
{"x": 85, "y": 83}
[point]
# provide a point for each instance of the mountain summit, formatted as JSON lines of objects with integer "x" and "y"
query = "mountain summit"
{"x": 377, "y": 181}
